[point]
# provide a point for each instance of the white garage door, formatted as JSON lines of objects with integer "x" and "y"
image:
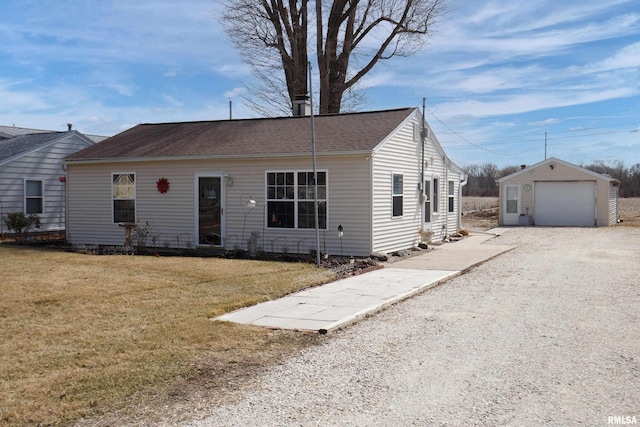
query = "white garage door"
{"x": 569, "y": 204}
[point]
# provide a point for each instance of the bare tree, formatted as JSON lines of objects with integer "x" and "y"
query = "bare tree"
{"x": 271, "y": 36}
{"x": 352, "y": 36}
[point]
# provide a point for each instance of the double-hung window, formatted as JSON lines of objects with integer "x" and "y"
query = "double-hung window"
{"x": 451, "y": 195}
{"x": 427, "y": 200}
{"x": 124, "y": 197}
{"x": 291, "y": 199}
{"x": 397, "y": 193}
{"x": 33, "y": 196}
{"x": 436, "y": 193}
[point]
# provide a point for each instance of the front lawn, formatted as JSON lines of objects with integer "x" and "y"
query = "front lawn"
{"x": 84, "y": 335}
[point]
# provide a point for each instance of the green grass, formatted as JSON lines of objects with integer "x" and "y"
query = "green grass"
{"x": 83, "y": 335}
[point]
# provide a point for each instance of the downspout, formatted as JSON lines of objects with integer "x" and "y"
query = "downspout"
{"x": 423, "y": 137}
{"x": 464, "y": 178}
{"x": 445, "y": 163}
{"x": 66, "y": 203}
{"x": 617, "y": 186}
{"x": 372, "y": 232}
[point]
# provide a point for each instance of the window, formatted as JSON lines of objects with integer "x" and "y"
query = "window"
{"x": 397, "y": 194}
{"x": 291, "y": 199}
{"x": 124, "y": 197}
{"x": 451, "y": 196}
{"x": 435, "y": 195}
{"x": 427, "y": 200}
{"x": 33, "y": 196}
{"x": 512, "y": 199}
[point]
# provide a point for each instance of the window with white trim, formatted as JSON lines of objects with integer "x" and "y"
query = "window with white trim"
{"x": 427, "y": 200}
{"x": 33, "y": 196}
{"x": 451, "y": 196}
{"x": 291, "y": 199}
{"x": 436, "y": 193}
{"x": 124, "y": 197}
{"x": 398, "y": 193}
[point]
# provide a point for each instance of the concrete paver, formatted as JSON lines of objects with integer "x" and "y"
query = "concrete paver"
{"x": 337, "y": 304}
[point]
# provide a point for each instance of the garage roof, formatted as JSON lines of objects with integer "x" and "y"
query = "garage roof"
{"x": 552, "y": 161}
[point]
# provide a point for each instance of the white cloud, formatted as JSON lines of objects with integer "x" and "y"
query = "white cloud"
{"x": 377, "y": 79}
{"x": 627, "y": 57}
{"x": 235, "y": 92}
{"x": 546, "y": 122}
{"x": 535, "y": 101}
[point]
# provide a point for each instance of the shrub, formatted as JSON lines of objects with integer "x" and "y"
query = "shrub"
{"x": 21, "y": 223}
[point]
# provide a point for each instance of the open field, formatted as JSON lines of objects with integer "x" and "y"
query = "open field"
{"x": 481, "y": 213}
{"x": 629, "y": 212}
{"x": 85, "y": 335}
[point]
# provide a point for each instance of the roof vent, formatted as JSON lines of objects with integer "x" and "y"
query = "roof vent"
{"x": 69, "y": 126}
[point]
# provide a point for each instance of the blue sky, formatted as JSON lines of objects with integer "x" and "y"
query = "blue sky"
{"x": 497, "y": 75}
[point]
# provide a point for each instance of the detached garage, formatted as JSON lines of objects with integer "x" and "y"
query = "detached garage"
{"x": 557, "y": 193}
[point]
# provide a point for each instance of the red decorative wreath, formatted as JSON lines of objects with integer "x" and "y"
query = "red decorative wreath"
{"x": 163, "y": 185}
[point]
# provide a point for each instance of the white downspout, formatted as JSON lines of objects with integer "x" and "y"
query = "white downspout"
{"x": 445, "y": 163}
{"x": 464, "y": 178}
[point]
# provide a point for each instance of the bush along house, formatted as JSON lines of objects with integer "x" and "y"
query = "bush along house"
{"x": 384, "y": 184}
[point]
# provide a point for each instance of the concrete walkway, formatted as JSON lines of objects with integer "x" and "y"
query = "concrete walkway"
{"x": 340, "y": 303}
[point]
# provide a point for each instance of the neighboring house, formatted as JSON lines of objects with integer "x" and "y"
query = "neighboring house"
{"x": 11, "y": 131}
{"x": 31, "y": 176}
{"x": 248, "y": 184}
{"x": 557, "y": 193}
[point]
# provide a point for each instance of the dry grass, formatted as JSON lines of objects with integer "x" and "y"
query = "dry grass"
{"x": 84, "y": 335}
{"x": 629, "y": 212}
{"x": 480, "y": 213}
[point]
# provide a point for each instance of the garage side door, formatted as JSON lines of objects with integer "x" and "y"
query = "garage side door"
{"x": 565, "y": 203}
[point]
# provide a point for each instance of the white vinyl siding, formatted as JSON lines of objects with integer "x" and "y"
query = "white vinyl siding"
{"x": 171, "y": 214}
{"x": 403, "y": 154}
{"x": 43, "y": 164}
{"x": 613, "y": 205}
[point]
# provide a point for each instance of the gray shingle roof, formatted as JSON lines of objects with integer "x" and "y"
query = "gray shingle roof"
{"x": 11, "y": 131}
{"x": 25, "y": 143}
{"x": 355, "y": 132}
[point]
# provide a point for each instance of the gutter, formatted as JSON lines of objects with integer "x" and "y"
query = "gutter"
{"x": 214, "y": 157}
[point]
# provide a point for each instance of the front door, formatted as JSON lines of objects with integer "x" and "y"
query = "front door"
{"x": 210, "y": 210}
{"x": 511, "y": 205}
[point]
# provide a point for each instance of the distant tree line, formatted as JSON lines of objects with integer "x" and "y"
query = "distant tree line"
{"x": 482, "y": 178}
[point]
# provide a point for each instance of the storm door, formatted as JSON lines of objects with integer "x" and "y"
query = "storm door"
{"x": 511, "y": 205}
{"x": 210, "y": 210}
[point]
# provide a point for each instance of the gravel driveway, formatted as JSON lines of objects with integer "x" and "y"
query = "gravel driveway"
{"x": 547, "y": 334}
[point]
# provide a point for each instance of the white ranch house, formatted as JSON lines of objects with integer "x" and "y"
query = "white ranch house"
{"x": 383, "y": 179}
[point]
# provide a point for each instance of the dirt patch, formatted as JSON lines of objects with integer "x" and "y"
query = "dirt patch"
{"x": 629, "y": 210}
{"x": 480, "y": 213}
